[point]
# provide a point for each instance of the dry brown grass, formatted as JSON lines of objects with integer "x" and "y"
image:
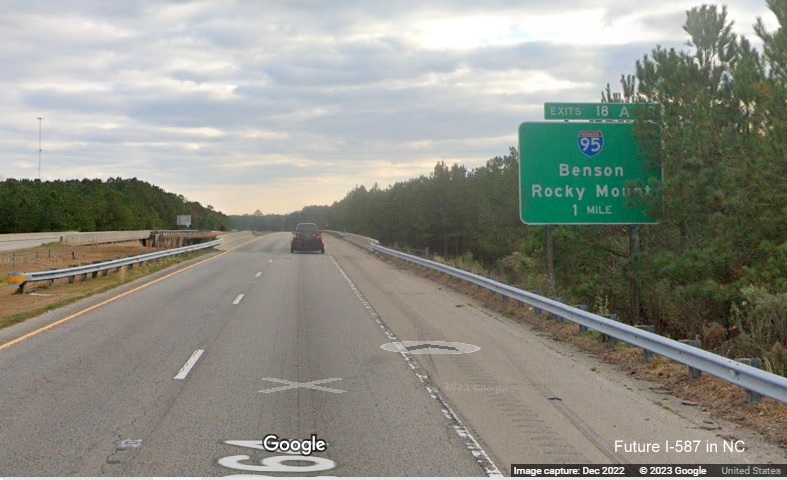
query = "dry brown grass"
{"x": 40, "y": 297}
{"x": 717, "y": 397}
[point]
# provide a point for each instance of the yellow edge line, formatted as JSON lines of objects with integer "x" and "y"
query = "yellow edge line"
{"x": 105, "y": 302}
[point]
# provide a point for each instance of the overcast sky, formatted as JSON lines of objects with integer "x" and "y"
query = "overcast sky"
{"x": 275, "y": 105}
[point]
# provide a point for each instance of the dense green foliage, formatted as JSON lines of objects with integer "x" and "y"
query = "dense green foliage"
{"x": 715, "y": 266}
{"x": 274, "y": 222}
{"x": 719, "y": 255}
{"x": 451, "y": 212}
{"x": 93, "y": 205}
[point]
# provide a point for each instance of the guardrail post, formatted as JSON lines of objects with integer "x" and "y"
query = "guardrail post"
{"x": 648, "y": 353}
{"x": 693, "y": 372}
{"x": 94, "y": 274}
{"x": 612, "y": 341}
{"x": 754, "y": 397}
{"x": 557, "y": 318}
{"x": 536, "y": 309}
{"x": 72, "y": 271}
{"x": 767, "y": 384}
{"x": 582, "y": 328}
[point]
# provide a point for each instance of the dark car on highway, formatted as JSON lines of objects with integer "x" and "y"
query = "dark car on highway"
{"x": 307, "y": 238}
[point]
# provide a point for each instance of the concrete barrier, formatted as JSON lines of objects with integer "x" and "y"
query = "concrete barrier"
{"x": 93, "y": 238}
{"x": 18, "y": 237}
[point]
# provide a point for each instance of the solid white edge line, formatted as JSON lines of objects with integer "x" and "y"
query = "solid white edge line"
{"x": 189, "y": 365}
{"x": 237, "y": 299}
{"x": 471, "y": 444}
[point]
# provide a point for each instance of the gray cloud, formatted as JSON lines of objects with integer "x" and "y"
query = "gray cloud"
{"x": 222, "y": 99}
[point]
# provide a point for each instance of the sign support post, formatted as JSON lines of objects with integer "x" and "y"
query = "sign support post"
{"x": 550, "y": 256}
{"x": 634, "y": 291}
{"x": 592, "y": 172}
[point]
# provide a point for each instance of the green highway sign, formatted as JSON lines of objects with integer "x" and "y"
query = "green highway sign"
{"x": 596, "y": 111}
{"x": 583, "y": 173}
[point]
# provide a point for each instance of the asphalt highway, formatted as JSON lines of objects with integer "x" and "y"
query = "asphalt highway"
{"x": 188, "y": 375}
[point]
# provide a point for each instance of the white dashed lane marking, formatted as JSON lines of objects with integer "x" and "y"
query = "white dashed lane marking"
{"x": 189, "y": 365}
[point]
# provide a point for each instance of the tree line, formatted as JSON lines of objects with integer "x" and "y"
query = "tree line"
{"x": 714, "y": 267}
{"x": 96, "y": 205}
{"x": 259, "y": 221}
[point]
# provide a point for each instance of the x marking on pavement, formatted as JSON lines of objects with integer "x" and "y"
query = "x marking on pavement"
{"x": 313, "y": 385}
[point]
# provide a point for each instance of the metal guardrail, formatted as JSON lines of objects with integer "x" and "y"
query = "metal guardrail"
{"x": 21, "y": 279}
{"x": 750, "y": 378}
{"x": 179, "y": 232}
{"x": 359, "y": 240}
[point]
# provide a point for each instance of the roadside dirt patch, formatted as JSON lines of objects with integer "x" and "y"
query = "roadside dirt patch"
{"x": 718, "y": 398}
{"x": 40, "y": 297}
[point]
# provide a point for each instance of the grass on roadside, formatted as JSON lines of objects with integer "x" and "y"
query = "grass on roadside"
{"x": 709, "y": 394}
{"x": 17, "y": 308}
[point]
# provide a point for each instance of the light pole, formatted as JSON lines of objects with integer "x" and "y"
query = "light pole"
{"x": 39, "y": 147}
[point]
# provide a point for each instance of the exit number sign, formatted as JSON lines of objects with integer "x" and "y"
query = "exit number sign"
{"x": 599, "y": 111}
